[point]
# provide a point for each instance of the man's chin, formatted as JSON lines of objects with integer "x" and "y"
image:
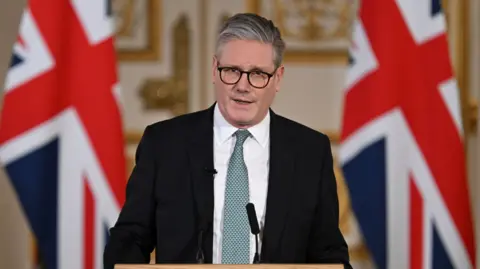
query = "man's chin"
{"x": 241, "y": 116}
{"x": 242, "y": 120}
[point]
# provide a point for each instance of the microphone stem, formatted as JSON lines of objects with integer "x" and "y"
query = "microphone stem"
{"x": 256, "y": 258}
{"x": 200, "y": 257}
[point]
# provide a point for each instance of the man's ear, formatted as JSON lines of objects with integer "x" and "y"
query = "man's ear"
{"x": 214, "y": 68}
{"x": 278, "y": 77}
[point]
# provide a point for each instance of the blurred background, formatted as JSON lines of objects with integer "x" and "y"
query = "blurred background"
{"x": 164, "y": 55}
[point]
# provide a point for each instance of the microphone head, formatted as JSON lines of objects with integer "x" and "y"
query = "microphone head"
{"x": 252, "y": 218}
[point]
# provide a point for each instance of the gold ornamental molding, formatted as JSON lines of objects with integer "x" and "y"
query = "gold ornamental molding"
{"x": 138, "y": 21}
{"x": 172, "y": 93}
{"x": 133, "y": 137}
{"x": 473, "y": 116}
{"x": 458, "y": 11}
{"x": 305, "y": 36}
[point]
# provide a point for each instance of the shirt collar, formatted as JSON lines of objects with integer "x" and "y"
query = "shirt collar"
{"x": 224, "y": 130}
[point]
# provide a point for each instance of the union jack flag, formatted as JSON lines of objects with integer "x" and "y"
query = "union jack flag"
{"x": 61, "y": 132}
{"x": 402, "y": 141}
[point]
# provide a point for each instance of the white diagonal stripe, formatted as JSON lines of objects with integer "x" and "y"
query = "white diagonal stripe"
{"x": 450, "y": 95}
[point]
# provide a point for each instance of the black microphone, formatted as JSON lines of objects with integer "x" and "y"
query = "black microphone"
{"x": 211, "y": 171}
{"x": 204, "y": 224}
{"x": 252, "y": 218}
{"x": 203, "y": 228}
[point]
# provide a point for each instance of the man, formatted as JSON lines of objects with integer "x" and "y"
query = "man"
{"x": 195, "y": 174}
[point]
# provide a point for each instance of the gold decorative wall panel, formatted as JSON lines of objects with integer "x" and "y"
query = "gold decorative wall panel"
{"x": 459, "y": 32}
{"x": 473, "y": 115}
{"x": 315, "y": 31}
{"x": 172, "y": 93}
{"x": 137, "y": 29}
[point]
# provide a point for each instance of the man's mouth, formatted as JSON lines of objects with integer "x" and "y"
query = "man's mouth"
{"x": 242, "y": 101}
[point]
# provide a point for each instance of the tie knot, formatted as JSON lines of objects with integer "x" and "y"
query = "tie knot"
{"x": 241, "y": 135}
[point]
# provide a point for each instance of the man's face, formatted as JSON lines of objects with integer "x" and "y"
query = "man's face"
{"x": 241, "y": 102}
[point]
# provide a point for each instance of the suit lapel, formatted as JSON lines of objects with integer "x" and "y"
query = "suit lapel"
{"x": 201, "y": 163}
{"x": 281, "y": 176}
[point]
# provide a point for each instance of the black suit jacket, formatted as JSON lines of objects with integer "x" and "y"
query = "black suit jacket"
{"x": 170, "y": 196}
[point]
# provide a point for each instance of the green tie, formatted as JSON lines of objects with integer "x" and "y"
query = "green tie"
{"x": 236, "y": 230}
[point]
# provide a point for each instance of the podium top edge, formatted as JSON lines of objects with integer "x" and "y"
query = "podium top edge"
{"x": 230, "y": 266}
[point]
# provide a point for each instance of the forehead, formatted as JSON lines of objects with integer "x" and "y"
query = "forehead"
{"x": 247, "y": 54}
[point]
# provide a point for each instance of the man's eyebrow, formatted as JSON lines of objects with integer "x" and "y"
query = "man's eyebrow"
{"x": 253, "y": 68}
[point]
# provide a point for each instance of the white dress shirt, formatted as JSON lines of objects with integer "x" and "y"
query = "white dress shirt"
{"x": 256, "y": 156}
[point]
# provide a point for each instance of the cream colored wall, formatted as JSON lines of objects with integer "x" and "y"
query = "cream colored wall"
{"x": 15, "y": 242}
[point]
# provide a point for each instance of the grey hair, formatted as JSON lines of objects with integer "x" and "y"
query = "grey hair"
{"x": 249, "y": 26}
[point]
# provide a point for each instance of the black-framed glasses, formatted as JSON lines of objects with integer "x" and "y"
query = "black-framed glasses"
{"x": 232, "y": 75}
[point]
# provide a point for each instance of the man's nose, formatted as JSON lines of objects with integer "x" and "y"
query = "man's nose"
{"x": 243, "y": 84}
